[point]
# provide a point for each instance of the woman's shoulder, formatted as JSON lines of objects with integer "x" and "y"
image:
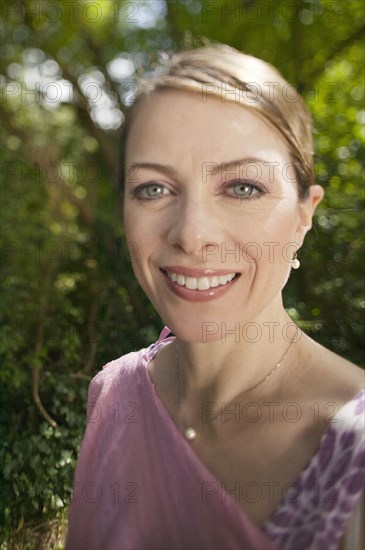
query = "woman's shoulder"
{"x": 347, "y": 378}
{"x": 126, "y": 370}
{"x": 328, "y": 376}
{"x": 332, "y": 360}
{"x": 118, "y": 370}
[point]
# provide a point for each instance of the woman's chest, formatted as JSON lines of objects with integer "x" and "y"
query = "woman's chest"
{"x": 257, "y": 467}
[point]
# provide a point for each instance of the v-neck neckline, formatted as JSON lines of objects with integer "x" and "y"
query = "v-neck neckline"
{"x": 146, "y": 359}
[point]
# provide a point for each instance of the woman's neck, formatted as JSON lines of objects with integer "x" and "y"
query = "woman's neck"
{"x": 221, "y": 371}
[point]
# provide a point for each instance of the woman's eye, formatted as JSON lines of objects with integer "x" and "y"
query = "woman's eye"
{"x": 245, "y": 190}
{"x": 149, "y": 191}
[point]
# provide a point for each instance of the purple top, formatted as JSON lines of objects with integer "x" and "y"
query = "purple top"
{"x": 139, "y": 485}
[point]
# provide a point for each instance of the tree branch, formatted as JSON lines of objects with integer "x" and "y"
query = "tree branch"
{"x": 38, "y": 347}
{"x": 100, "y": 62}
{"x": 107, "y": 143}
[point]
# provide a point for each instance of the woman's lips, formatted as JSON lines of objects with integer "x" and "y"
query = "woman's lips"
{"x": 198, "y": 295}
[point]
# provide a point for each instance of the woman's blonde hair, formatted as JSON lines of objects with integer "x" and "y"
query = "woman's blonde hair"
{"x": 218, "y": 70}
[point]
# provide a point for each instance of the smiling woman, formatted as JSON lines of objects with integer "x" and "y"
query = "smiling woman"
{"x": 239, "y": 431}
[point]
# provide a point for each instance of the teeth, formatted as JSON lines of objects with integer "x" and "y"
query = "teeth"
{"x": 192, "y": 283}
{"x": 201, "y": 283}
{"x": 214, "y": 281}
{"x": 180, "y": 280}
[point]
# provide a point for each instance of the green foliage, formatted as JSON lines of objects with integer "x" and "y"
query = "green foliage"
{"x": 70, "y": 301}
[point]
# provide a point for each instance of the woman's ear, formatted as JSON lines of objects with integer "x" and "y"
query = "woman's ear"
{"x": 306, "y": 211}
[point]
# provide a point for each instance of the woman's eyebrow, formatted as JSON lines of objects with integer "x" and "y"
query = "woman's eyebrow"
{"x": 166, "y": 169}
{"x": 249, "y": 161}
{"x": 209, "y": 167}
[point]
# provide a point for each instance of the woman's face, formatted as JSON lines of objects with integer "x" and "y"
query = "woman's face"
{"x": 194, "y": 209}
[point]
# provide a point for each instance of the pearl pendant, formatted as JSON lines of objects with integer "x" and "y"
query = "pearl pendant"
{"x": 190, "y": 433}
{"x": 296, "y": 264}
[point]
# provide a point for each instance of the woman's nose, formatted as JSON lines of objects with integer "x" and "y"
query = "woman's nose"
{"x": 194, "y": 226}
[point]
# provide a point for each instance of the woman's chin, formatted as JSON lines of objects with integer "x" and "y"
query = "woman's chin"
{"x": 202, "y": 331}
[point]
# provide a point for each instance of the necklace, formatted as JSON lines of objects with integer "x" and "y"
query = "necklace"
{"x": 190, "y": 432}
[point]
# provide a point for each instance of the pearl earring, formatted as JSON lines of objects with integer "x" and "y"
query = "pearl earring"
{"x": 295, "y": 263}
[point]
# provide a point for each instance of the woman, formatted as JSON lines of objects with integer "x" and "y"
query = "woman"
{"x": 220, "y": 437}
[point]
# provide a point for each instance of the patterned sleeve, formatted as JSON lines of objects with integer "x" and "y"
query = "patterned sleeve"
{"x": 327, "y": 512}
